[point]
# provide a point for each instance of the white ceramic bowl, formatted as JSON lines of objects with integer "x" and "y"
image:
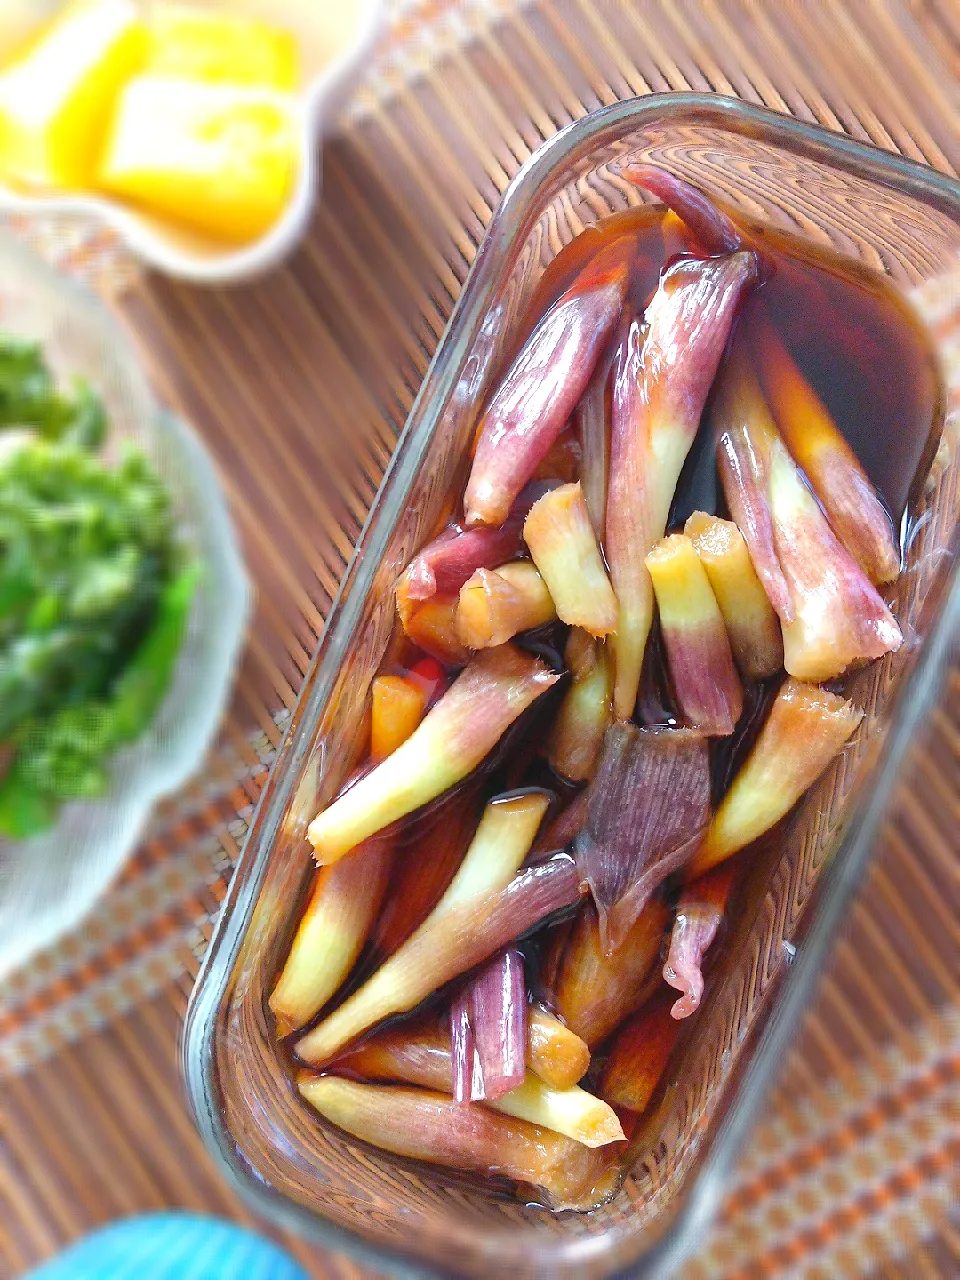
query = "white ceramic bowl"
{"x": 48, "y": 883}
{"x": 335, "y": 39}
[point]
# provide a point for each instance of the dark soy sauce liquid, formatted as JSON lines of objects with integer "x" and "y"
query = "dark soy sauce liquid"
{"x": 860, "y": 348}
{"x": 863, "y": 352}
{"x": 645, "y": 223}
{"x": 853, "y": 337}
{"x": 871, "y": 363}
{"x": 867, "y": 357}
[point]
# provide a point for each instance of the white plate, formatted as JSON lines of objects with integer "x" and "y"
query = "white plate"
{"x": 48, "y": 883}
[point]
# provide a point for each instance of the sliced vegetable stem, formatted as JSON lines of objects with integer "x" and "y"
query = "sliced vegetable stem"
{"x": 576, "y": 736}
{"x": 744, "y": 444}
{"x": 498, "y": 1021}
{"x": 564, "y": 548}
{"x": 805, "y": 730}
{"x": 662, "y": 377}
{"x": 592, "y": 419}
{"x": 397, "y": 707}
{"x": 833, "y": 617}
{"x": 574, "y": 1112}
{"x": 596, "y": 991}
{"x": 431, "y": 848}
{"x": 461, "y": 1054}
{"x": 752, "y": 625}
{"x": 705, "y": 683}
{"x": 857, "y": 515}
{"x": 501, "y": 843}
{"x": 425, "y": 1125}
{"x": 449, "y": 742}
{"x": 840, "y": 620}
{"x": 639, "y": 1057}
{"x": 431, "y": 626}
{"x": 498, "y": 1000}
{"x": 485, "y": 907}
{"x": 536, "y": 398}
{"x": 421, "y": 1056}
{"x": 496, "y": 605}
{"x": 554, "y": 1052}
{"x": 446, "y": 563}
{"x": 343, "y": 904}
{"x": 710, "y": 226}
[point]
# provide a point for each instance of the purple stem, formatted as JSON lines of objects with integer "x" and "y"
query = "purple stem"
{"x": 708, "y": 224}
{"x": 498, "y": 1004}
{"x": 648, "y": 808}
{"x": 741, "y": 462}
{"x": 536, "y": 398}
{"x": 461, "y": 1046}
{"x": 446, "y": 563}
{"x": 592, "y": 420}
{"x": 693, "y": 931}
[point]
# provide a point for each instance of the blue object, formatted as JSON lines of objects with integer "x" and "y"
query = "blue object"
{"x": 171, "y": 1246}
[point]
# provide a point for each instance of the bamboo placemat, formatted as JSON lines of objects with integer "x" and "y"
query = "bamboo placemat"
{"x": 300, "y": 384}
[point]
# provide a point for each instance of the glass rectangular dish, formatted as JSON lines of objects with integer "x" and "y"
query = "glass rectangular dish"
{"x": 888, "y": 213}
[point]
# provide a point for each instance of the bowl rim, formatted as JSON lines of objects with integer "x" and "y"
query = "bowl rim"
{"x": 168, "y": 774}
{"x": 838, "y": 881}
{"x": 278, "y": 240}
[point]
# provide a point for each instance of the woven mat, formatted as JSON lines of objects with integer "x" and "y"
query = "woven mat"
{"x": 300, "y": 385}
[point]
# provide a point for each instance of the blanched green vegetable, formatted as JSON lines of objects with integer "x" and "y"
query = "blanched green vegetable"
{"x": 83, "y": 555}
{"x": 146, "y": 678}
{"x": 94, "y": 599}
{"x": 27, "y": 390}
{"x": 29, "y": 397}
{"x": 62, "y": 756}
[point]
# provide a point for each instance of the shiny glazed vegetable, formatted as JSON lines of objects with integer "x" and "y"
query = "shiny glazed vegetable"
{"x": 666, "y": 525}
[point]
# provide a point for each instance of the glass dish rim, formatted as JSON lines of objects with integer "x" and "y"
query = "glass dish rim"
{"x": 839, "y": 879}
{"x": 170, "y": 760}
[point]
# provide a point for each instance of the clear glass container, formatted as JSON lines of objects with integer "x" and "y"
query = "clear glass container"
{"x": 873, "y": 207}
